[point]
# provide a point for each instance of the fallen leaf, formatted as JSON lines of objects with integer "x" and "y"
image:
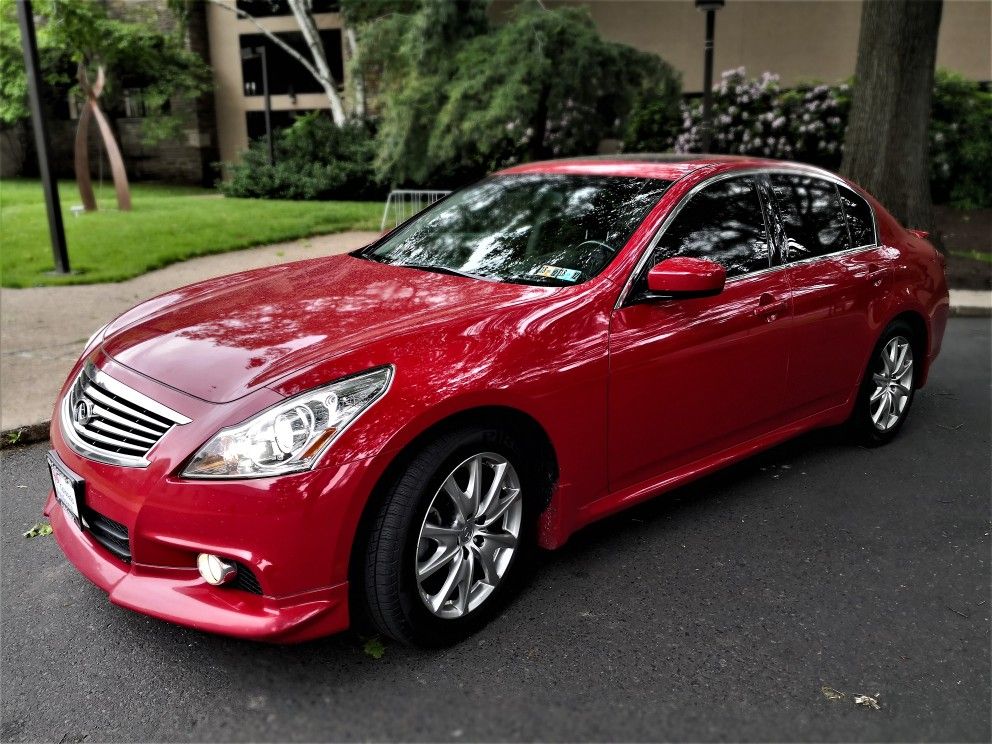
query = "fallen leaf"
{"x": 39, "y": 530}
{"x": 374, "y": 647}
{"x": 868, "y": 701}
{"x": 831, "y": 694}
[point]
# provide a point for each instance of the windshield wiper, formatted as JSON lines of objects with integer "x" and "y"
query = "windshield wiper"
{"x": 443, "y": 270}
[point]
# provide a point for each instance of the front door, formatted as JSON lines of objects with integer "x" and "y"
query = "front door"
{"x": 691, "y": 377}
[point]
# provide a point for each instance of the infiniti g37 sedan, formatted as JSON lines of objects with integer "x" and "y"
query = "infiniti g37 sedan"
{"x": 389, "y": 434}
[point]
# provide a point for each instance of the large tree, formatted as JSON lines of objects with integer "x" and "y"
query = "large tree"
{"x": 886, "y": 148}
{"x": 460, "y": 96}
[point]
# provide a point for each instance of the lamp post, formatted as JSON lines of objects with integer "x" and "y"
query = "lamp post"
{"x": 29, "y": 43}
{"x": 259, "y": 53}
{"x": 710, "y": 7}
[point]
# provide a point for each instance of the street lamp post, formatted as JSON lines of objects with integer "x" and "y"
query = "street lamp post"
{"x": 710, "y": 7}
{"x": 29, "y": 43}
{"x": 259, "y": 53}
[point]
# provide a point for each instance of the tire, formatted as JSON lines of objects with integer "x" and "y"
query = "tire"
{"x": 881, "y": 409}
{"x": 420, "y": 524}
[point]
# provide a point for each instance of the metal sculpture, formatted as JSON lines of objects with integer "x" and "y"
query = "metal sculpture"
{"x": 91, "y": 110}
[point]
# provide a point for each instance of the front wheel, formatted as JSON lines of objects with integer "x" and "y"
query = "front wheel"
{"x": 887, "y": 391}
{"x": 451, "y": 538}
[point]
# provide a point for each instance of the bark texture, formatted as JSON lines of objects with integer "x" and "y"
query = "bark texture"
{"x": 886, "y": 148}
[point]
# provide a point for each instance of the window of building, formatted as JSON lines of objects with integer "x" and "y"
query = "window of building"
{"x": 811, "y": 210}
{"x": 286, "y": 74}
{"x": 255, "y": 121}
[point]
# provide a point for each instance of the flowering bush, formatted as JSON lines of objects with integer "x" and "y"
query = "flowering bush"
{"x": 756, "y": 116}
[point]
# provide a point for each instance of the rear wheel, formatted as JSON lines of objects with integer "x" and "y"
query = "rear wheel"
{"x": 451, "y": 538}
{"x": 887, "y": 391}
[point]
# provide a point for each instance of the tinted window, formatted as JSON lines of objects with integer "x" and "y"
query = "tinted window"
{"x": 531, "y": 228}
{"x": 723, "y": 223}
{"x": 859, "y": 218}
{"x": 811, "y": 211}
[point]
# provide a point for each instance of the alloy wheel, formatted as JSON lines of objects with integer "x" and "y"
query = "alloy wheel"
{"x": 893, "y": 383}
{"x": 469, "y": 535}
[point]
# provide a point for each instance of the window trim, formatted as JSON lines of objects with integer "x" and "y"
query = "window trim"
{"x": 625, "y": 293}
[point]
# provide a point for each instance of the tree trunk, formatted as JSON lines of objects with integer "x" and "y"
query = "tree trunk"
{"x": 359, "y": 82}
{"x": 886, "y": 147}
{"x": 311, "y": 36}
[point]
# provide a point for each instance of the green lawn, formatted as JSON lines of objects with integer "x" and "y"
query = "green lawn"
{"x": 974, "y": 255}
{"x": 166, "y": 224}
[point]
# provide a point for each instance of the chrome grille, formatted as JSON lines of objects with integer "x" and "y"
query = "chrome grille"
{"x": 105, "y": 420}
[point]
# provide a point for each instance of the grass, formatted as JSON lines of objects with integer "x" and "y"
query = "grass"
{"x": 167, "y": 224}
{"x": 974, "y": 255}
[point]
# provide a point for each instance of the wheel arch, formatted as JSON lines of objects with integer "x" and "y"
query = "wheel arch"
{"x": 512, "y": 419}
{"x": 921, "y": 340}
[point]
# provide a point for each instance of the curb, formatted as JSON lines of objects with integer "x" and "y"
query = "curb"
{"x": 22, "y": 435}
{"x": 971, "y": 312}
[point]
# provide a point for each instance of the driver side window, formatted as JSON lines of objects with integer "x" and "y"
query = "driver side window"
{"x": 723, "y": 223}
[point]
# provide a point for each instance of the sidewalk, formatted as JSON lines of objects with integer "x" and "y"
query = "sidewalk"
{"x": 43, "y": 329}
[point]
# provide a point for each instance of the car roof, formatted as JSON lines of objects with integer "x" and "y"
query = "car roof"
{"x": 668, "y": 166}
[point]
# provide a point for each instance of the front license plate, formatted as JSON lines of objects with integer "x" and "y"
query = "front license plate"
{"x": 68, "y": 487}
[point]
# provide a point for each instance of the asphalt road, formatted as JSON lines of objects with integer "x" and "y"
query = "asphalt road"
{"x": 717, "y": 613}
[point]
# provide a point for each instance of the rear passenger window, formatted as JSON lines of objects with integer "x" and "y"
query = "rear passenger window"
{"x": 812, "y": 213}
{"x": 860, "y": 221}
{"x": 724, "y": 223}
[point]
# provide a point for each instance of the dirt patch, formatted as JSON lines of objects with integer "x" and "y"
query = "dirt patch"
{"x": 966, "y": 232}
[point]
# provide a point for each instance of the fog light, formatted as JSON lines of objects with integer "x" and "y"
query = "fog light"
{"x": 215, "y": 570}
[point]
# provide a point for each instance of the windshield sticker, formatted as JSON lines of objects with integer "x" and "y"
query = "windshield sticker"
{"x": 556, "y": 272}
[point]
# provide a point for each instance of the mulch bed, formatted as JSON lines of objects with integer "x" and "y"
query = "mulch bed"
{"x": 969, "y": 230}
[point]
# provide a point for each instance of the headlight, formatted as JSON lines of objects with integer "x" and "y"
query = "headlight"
{"x": 291, "y": 435}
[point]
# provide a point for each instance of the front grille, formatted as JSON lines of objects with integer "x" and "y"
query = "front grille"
{"x": 108, "y": 421}
{"x": 110, "y": 534}
{"x": 245, "y": 580}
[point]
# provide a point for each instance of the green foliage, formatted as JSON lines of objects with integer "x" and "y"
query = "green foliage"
{"x": 374, "y": 647}
{"x": 314, "y": 160}
{"x": 41, "y": 529}
{"x": 460, "y": 97}
{"x": 756, "y": 116}
{"x": 961, "y": 142}
{"x": 167, "y": 224}
{"x": 129, "y": 44}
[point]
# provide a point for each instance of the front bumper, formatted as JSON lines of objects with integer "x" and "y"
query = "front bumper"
{"x": 293, "y": 532}
{"x": 180, "y": 596}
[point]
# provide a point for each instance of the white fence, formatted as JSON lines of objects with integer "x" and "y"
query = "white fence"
{"x": 402, "y": 204}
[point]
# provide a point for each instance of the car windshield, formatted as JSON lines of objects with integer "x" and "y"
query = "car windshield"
{"x": 539, "y": 228}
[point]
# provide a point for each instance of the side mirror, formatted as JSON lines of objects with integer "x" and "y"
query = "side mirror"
{"x": 683, "y": 277}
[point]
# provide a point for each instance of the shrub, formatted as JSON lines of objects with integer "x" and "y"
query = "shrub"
{"x": 757, "y": 117}
{"x": 961, "y": 142}
{"x": 314, "y": 160}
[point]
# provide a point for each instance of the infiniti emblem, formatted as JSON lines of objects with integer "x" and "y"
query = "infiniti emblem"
{"x": 82, "y": 413}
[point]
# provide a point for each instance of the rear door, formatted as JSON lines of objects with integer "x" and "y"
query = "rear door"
{"x": 832, "y": 281}
{"x": 690, "y": 377}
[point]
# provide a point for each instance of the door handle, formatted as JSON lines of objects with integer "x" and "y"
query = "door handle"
{"x": 769, "y": 307}
{"x": 876, "y": 274}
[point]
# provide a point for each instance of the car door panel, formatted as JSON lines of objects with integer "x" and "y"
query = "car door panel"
{"x": 690, "y": 377}
{"x": 695, "y": 376}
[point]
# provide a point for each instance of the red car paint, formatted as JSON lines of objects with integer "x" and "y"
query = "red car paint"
{"x": 634, "y": 399}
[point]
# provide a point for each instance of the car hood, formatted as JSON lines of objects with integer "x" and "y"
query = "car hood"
{"x": 221, "y": 339}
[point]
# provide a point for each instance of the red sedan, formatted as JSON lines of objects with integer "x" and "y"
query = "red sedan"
{"x": 390, "y": 433}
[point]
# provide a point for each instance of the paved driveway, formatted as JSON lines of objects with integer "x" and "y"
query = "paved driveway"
{"x": 717, "y": 613}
